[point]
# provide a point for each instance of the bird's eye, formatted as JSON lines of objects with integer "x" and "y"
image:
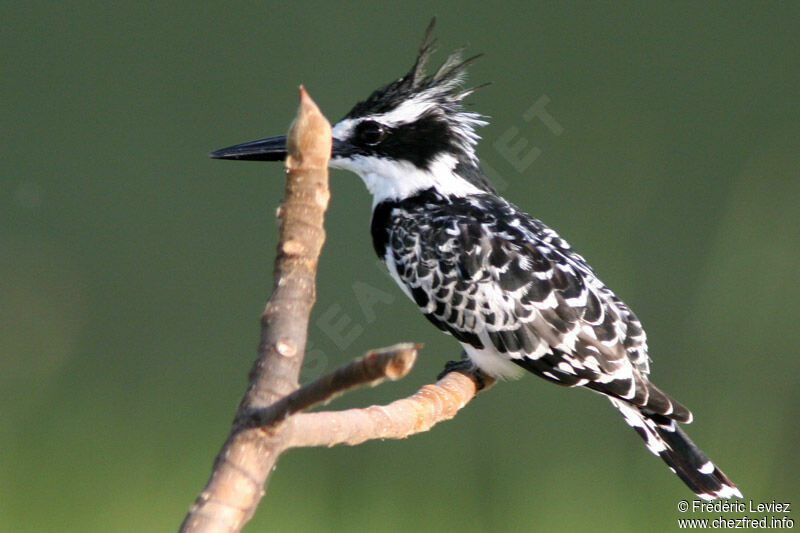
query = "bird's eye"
{"x": 370, "y": 132}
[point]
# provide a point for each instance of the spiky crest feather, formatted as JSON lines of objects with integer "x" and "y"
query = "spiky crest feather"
{"x": 443, "y": 89}
{"x": 418, "y": 98}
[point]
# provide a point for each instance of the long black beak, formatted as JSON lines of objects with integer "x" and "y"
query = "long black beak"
{"x": 270, "y": 149}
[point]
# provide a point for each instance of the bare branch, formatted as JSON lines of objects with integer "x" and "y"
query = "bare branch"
{"x": 248, "y": 455}
{"x": 397, "y": 420}
{"x": 393, "y": 363}
{"x": 268, "y": 420}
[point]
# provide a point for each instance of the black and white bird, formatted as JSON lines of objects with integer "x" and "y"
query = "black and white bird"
{"x": 508, "y": 288}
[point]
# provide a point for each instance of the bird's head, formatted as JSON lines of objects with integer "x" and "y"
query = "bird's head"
{"x": 407, "y": 137}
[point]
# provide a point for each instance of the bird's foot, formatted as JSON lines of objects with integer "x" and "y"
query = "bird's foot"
{"x": 467, "y": 367}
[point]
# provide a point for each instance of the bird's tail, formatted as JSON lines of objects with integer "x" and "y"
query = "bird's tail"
{"x": 665, "y": 439}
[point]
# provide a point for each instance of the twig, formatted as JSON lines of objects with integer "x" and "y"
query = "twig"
{"x": 393, "y": 363}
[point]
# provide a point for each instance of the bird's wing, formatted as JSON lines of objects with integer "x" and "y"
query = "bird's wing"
{"x": 510, "y": 283}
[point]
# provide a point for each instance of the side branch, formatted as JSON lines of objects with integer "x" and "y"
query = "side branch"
{"x": 400, "y": 419}
{"x": 391, "y": 363}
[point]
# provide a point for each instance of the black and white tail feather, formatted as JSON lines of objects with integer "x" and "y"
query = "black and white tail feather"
{"x": 666, "y": 439}
{"x": 507, "y": 287}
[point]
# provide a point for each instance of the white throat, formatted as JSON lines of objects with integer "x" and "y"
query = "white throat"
{"x": 395, "y": 180}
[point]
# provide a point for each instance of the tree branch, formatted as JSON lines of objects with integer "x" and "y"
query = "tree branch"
{"x": 268, "y": 420}
{"x": 248, "y": 455}
{"x": 400, "y": 419}
{"x": 393, "y": 363}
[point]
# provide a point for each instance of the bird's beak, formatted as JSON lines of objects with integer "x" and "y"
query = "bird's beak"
{"x": 269, "y": 149}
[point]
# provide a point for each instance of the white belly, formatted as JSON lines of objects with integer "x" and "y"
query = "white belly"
{"x": 493, "y": 363}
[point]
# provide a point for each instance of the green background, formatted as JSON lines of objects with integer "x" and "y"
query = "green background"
{"x": 133, "y": 269}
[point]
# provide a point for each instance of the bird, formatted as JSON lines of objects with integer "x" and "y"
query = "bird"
{"x": 512, "y": 292}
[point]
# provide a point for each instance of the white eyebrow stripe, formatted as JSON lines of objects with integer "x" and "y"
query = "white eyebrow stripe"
{"x": 408, "y": 111}
{"x": 405, "y": 113}
{"x": 344, "y": 128}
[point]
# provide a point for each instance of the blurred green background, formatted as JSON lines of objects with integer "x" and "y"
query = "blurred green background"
{"x": 133, "y": 269}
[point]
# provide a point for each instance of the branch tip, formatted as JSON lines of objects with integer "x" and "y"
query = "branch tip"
{"x": 309, "y": 140}
{"x": 397, "y": 360}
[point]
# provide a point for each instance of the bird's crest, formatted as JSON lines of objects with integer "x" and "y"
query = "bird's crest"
{"x": 424, "y": 124}
{"x": 443, "y": 90}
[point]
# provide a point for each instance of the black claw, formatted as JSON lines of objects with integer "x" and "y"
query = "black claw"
{"x": 467, "y": 367}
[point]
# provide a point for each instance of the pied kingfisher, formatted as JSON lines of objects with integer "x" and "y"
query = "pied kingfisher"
{"x": 508, "y": 288}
